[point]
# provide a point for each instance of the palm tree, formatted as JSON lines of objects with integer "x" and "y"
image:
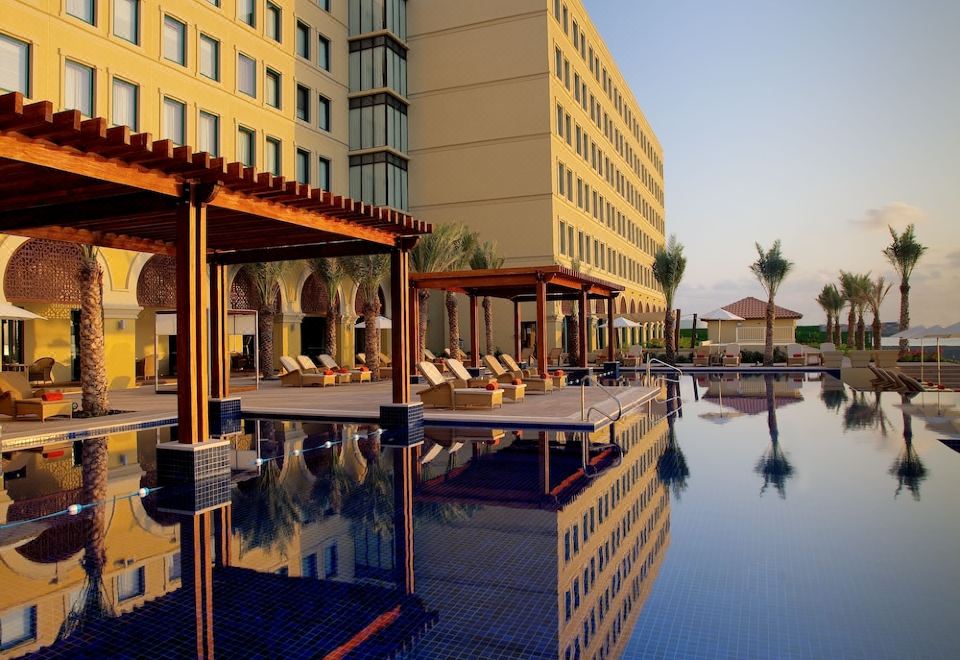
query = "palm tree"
{"x": 672, "y": 468}
{"x": 369, "y": 271}
{"x": 573, "y": 342}
{"x": 266, "y": 277}
{"x": 270, "y": 514}
{"x": 908, "y": 467}
{"x": 486, "y": 256}
{"x": 668, "y": 266}
{"x": 438, "y": 252}
{"x": 876, "y": 294}
{"x": 329, "y": 271}
{"x": 774, "y": 465}
{"x": 93, "y": 370}
{"x": 848, "y": 290}
{"x": 826, "y": 304}
{"x": 861, "y": 294}
{"x": 770, "y": 268}
{"x": 468, "y": 246}
{"x": 903, "y": 253}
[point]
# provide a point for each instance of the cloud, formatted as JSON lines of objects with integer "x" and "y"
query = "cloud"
{"x": 953, "y": 259}
{"x": 895, "y": 214}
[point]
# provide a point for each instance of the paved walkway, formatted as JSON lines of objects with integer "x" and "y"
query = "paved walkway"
{"x": 355, "y": 401}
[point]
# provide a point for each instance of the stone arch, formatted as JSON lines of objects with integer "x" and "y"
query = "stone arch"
{"x": 314, "y": 298}
{"x": 623, "y": 305}
{"x": 358, "y": 303}
{"x": 633, "y": 306}
{"x": 44, "y": 271}
{"x": 157, "y": 283}
{"x": 566, "y": 307}
{"x": 600, "y": 307}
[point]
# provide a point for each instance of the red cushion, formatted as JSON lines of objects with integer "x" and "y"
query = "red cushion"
{"x": 364, "y": 368}
{"x": 343, "y": 370}
{"x": 328, "y": 372}
{"x": 493, "y": 385}
{"x": 52, "y": 396}
{"x": 517, "y": 381}
{"x": 558, "y": 373}
{"x": 798, "y": 355}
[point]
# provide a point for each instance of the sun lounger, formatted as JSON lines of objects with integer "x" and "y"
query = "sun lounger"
{"x": 832, "y": 359}
{"x": 386, "y": 371}
{"x": 886, "y": 381}
{"x": 358, "y": 375}
{"x": 533, "y": 384}
{"x": 442, "y": 393}
{"x": 633, "y": 356}
{"x": 885, "y": 359}
{"x": 795, "y": 355}
{"x": 731, "y": 355}
{"x": 295, "y": 377}
{"x": 19, "y": 399}
{"x": 461, "y": 378}
{"x": 511, "y": 366}
{"x": 860, "y": 359}
{"x": 555, "y": 356}
{"x": 701, "y": 356}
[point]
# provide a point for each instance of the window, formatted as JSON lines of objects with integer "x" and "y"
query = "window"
{"x": 303, "y": 166}
{"x": 126, "y": 97}
{"x": 303, "y": 103}
{"x": 209, "y": 133}
{"x": 18, "y": 626}
{"x": 174, "y": 40}
{"x": 378, "y": 62}
{"x": 376, "y": 15}
{"x": 247, "y": 12}
{"x": 78, "y": 88}
{"x": 378, "y": 120}
{"x": 309, "y": 566}
{"x": 323, "y": 113}
{"x": 323, "y": 173}
{"x": 83, "y": 9}
{"x": 563, "y": 250}
{"x": 246, "y": 146}
{"x": 274, "y": 22}
{"x": 273, "y": 155}
{"x": 126, "y": 20}
{"x": 323, "y": 53}
{"x": 272, "y": 85}
{"x": 247, "y": 75}
{"x": 175, "y": 567}
{"x": 209, "y": 57}
{"x": 558, "y": 63}
{"x": 330, "y": 561}
{"x": 14, "y": 65}
{"x": 380, "y": 179}
{"x": 559, "y": 120}
{"x": 130, "y": 584}
{"x": 174, "y": 121}
{"x": 303, "y": 40}
{"x": 324, "y": 4}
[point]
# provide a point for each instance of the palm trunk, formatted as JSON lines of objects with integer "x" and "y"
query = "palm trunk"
{"x": 573, "y": 352}
{"x": 829, "y": 332}
{"x": 93, "y": 372}
{"x": 904, "y": 314}
{"x": 488, "y": 323}
{"x": 371, "y": 337}
{"x": 836, "y": 330}
{"x": 768, "y": 342}
{"x": 333, "y": 324}
{"x": 453, "y": 321}
{"x": 668, "y": 335}
{"x": 851, "y": 326}
{"x": 265, "y": 323}
{"x": 876, "y": 332}
{"x": 861, "y": 332}
{"x": 423, "y": 299}
{"x": 93, "y": 605}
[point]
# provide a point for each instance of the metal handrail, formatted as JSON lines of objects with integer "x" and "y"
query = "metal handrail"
{"x": 679, "y": 371}
{"x": 585, "y": 414}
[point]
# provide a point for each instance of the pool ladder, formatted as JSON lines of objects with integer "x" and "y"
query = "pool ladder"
{"x": 585, "y": 412}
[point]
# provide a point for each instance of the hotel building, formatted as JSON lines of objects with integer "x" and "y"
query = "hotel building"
{"x": 511, "y": 117}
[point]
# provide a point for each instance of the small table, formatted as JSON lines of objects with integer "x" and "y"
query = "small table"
{"x": 16, "y": 366}
{"x": 43, "y": 409}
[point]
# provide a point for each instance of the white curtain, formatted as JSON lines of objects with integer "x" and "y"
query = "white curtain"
{"x": 246, "y": 75}
{"x": 126, "y": 19}
{"x": 78, "y": 88}
{"x": 173, "y": 120}
{"x": 124, "y": 104}
{"x": 209, "y": 130}
{"x": 14, "y": 64}
{"x": 174, "y": 47}
{"x": 82, "y": 9}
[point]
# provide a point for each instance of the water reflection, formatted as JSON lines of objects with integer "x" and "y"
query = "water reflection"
{"x": 774, "y": 465}
{"x": 672, "y": 464}
{"x": 908, "y": 468}
{"x": 833, "y": 392}
{"x": 864, "y": 413}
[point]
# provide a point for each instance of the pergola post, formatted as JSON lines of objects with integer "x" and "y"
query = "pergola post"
{"x": 403, "y": 474}
{"x": 542, "y": 365}
{"x": 219, "y": 351}
{"x": 474, "y": 335}
{"x": 415, "y": 355}
{"x": 516, "y": 331}
{"x": 193, "y": 424}
{"x": 197, "y": 577}
{"x": 582, "y": 339}
{"x": 611, "y": 332}
{"x": 400, "y": 307}
{"x": 543, "y": 456}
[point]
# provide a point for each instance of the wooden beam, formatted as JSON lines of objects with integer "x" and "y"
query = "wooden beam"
{"x": 219, "y": 347}
{"x": 611, "y": 331}
{"x": 517, "y": 349}
{"x": 89, "y": 207}
{"x": 415, "y": 356}
{"x": 192, "y": 332}
{"x": 582, "y": 338}
{"x": 542, "y": 365}
{"x": 400, "y": 335}
{"x": 297, "y": 252}
{"x": 474, "y": 335}
{"x": 109, "y": 240}
{"x": 403, "y": 474}
{"x": 196, "y": 532}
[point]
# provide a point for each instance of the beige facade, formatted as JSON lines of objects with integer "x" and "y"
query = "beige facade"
{"x": 524, "y": 129}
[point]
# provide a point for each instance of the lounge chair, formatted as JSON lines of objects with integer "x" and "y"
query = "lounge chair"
{"x": 308, "y": 367}
{"x": 360, "y": 375}
{"x": 731, "y": 355}
{"x": 462, "y": 378}
{"x": 885, "y": 359}
{"x": 827, "y": 347}
{"x": 555, "y": 356}
{"x": 294, "y": 377}
{"x": 41, "y": 371}
{"x": 443, "y": 393}
{"x": 19, "y": 399}
{"x": 884, "y": 380}
{"x": 796, "y": 356}
{"x": 385, "y": 370}
{"x": 526, "y": 355}
{"x": 511, "y": 365}
{"x": 701, "y": 356}
{"x": 538, "y": 385}
{"x": 860, "y": 359}
{"x": 634, "y": 354}
{"x": 832, "y": 359}
{"x": 430, "y": 355}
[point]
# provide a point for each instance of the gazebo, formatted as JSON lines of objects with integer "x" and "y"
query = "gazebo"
{"x": 538, "y": 284}
{"x": 79, "y": 180}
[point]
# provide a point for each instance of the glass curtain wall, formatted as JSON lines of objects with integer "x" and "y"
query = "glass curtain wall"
{"x": 375, "y": 15}
{"x": 376, "y": 63}
{"x": 380, "y": 179}
{"x": 378, "y": 121}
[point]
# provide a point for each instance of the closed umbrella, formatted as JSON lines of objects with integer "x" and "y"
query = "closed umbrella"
{"x": 720, "y": 315}
{"x": 10, "y": 312}
{"x": 937, "y": 332}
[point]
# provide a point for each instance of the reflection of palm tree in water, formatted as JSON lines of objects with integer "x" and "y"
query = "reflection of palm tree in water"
{"x": 267, "y": 514}
{"x": 908, "y": 468}
{"x": 92, "y": 603}
{"x": 774, "y": 464}
{"x": 861, "y": 414}
{"x": 835, "y": 396}
{"x": 672, "y": 465}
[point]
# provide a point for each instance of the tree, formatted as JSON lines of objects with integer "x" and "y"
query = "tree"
{"x": 368, "y": 271}
{"x": 876, "y": 294}
{"x": 672, "y": 466}
{"x": 329, "y": 271}
{"x": 668, "y": 266}
{"x": 903, "y": 253}
{"x": 486, "y": 256}
{"x": 848, "y": 290}
{"x": 93, "y": 370}
{"x": 266, "y": 277}
{"x": 770, "y": 269}
{"x": 467, "y": 246}
{"x": 438, "y": 252}
{"x": 908, "y": 468}
{"x": 774, "y": 466}
{"x": 576, "y": 326}
{"x": 862, "y": 285}
{"x": 826, "y": 305}
{"x": 831, "y": 302}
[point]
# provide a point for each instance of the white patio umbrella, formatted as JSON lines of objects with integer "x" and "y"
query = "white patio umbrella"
{"x": 937, "y": 332}
{"x": 619, "y": 322}
{"x": 10, "y": 312}
{"x": 720, "y": 315}
{"x": 382, "y": 322}
{"x": 916, "y": 332}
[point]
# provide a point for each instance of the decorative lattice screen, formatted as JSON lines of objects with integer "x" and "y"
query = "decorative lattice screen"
{"x": 44, "y": 271}
{"x": 157, "y": 286}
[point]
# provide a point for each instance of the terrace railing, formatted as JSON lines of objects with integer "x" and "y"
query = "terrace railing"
{"x": 758, "y": 335}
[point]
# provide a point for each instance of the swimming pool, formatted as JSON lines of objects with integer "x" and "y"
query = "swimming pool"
{"x": 765, "y": 517}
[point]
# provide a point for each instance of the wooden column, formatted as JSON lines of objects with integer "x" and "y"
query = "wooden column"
{"x": 582, "y": 339}
{"x": 192, "y": 305}
{"x": 542, "y": 365}
{"x": 517, "y": 338}
{"x": 415, "y": 356}
{"x": 400, "y": 287}
{"x": 403, "y": 473}
{"x": 611, "y": 332}
{"x": 197, "y": 578}
{"x": 474, "y": 335}
{"x": 543, "y": 456}
{"x": 219, "y": 348}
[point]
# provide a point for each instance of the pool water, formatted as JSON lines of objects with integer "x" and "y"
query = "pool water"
{"x": 764, "y": 517}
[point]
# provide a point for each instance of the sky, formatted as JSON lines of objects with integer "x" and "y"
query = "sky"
{"x": 818, "y": 122}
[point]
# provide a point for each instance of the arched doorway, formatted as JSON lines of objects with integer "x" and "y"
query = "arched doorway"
{"x": 156, "y": 291}
{"x": 44, "y": 276}
{"x": 358, "y": 338}
{"x": 317, "y": 315}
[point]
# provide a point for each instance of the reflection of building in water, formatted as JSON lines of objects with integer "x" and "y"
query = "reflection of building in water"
{"x": 554, "y": 562}
{"x": 749, "y": 394}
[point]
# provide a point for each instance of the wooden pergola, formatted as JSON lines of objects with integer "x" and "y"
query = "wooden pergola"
{"x": 68, "y": 179}
{"x": 538, "y": 284}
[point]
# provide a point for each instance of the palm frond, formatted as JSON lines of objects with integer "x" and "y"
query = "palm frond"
{"x": 904, "y": 251}
{"x": 771, "y": 267}
{"x": 669, "y": 265}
